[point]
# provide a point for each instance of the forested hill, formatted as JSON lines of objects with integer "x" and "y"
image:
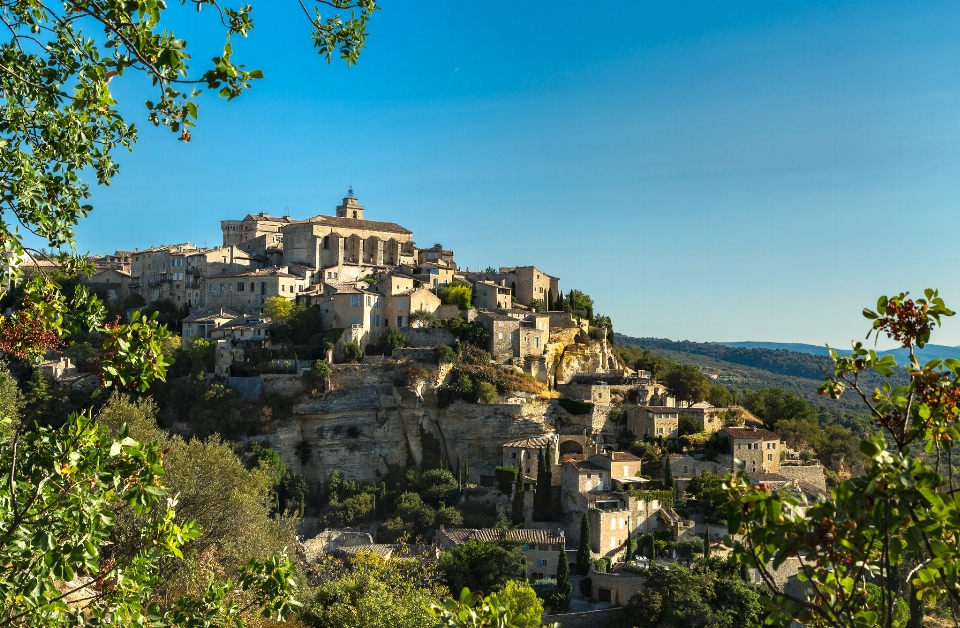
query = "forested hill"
{"x": 783, "y": 362}
{"x": 739, "y": 368}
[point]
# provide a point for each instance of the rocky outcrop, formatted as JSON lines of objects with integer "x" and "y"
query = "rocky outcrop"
{"x": 372, "y": 420}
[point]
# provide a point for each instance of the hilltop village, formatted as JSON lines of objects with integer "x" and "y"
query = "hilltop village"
{"x": 504, "y": 388}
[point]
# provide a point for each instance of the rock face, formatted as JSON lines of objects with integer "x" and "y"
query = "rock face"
{"x": 372, "y": 420}
{"x": 595, "y": 357}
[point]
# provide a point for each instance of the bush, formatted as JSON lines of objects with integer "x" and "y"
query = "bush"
{"x": 390, "y": 340}
{"x": 575, "y": 406}
{"x": 351, "y": 351}
{"x": 506, "y": 478}
{"x": 586, "y": 587}
{"x": 602, "y": 565}
{"x": 458, "y": 293}
{"x": 446, "y": 354}
{"x": 134, "y": 301}
{"x": 688, "y": 546}
{"x": 545, "y": 588}
{"x": 487, "y": 393}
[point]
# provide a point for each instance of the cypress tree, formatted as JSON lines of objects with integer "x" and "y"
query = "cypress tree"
{"x": 561, "y": 599}
{"x": 583, "y": 550}
{"x": 542, "y": 502}
{"x": 668, "y": 476}
{"x": 518, "y": 499}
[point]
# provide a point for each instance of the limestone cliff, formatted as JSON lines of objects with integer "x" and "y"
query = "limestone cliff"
{"x": 372, "y": 419}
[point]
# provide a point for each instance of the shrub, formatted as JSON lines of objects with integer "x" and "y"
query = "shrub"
{"x": 446, "y": 354}
{"x": 545, "y": 588}
{"x": 586, "y": 587}
{"x": 390, "y": 340}
{"x": 351, "y": 351}
{"x": 487, "y": 393}
{"x": 602, "y": 565}
{"x": 688, "y": 546}
{"x": 450, "y": 517}
{"x": 506, "y": 478}
{"x": 458, "y": 293}
{"x": 134, "y": 301}
{"x": 575, "y": 406}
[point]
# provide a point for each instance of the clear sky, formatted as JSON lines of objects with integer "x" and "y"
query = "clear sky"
{"x": 706, "y": 171}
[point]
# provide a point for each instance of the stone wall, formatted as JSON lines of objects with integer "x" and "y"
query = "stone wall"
{"x": 812, "y": 474}
{"x": 448, "y": 310}
{"x": 587, "y": 619}
{"x": 417, "y": 354}
{"x": 427, "y": 337}
{"x": 622, "y": 586}
{"x": 248, "y": 387}
{"x": 287, "y": 385}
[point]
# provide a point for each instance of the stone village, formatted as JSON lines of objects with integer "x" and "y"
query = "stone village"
{"x": 366, "y": 277}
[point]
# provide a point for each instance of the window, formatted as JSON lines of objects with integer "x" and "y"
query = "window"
{"x": 369, "y": 301}
{"x": 770, "y": 457}
{"x": 513, "y": 454}
{"x": 211, "y": 288}
{"x": 500, "y": 336}
{"x": 542, "y": 562}
{"x": 536, "y": 345}
{"x": 355, "y": 320}
{"x": 240, "y": 286}
{"x": 399, "y": 321}
{"x": 613, "y": 543}
{"x": 221, "y": 287}
{"x": 251, "y": 287}
{"x": 399, "y": 305}
{"x": 230, "y": 288}
{"x": 263, "y": 287}
{"x": 355, "y": 300}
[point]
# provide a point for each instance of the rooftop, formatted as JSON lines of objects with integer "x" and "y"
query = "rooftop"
{"x": 750, "y": 433}
{"x": 354, "y": 223}
{"x": 487, "y": 535}
{"x": 531, "y": 443}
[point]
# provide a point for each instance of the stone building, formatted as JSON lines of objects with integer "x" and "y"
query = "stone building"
{"x": 347, "y": 238}
{"x": 524, "y": 453}
{"x": 491, "y": 296}
{"x": 654, "y": 422}
{"x": 254, "y": 226}
{"x": 531, "y": 284}
{"x": 540, "y": 547}
{"x": 114, "y": 281}
{"x": 159, "y": 272}
{"x": 202, "y": 322}
{"x": 711, "y": 419}
{"x": 501, "y": 329}
{"x": 246, "y": 331}
{"x": 757, "y": 449}
{"x": 436, "y": 255}
{"x": 247, "y": 291}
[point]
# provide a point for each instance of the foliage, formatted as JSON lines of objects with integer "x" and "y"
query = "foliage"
{"x": 483, "y": 566}
{"x": 643, "y": 359}
{"x": 543, "y": 498}
{"x": 602, "y": 564}
{"x": 487, "y": 393}
{"x": 319, "y": 373}
{"x": 516, "y": 509}
{"x": 421, "y": 318}
{"x": 506, "y": 478}
{"x": 603, "y": 322}
{"x": 720, "y": 397}
{"x": 686, "y": 383}
{"x": 278, "y": 308}
{"x": 472, "y": 333}
{"x": 446, "y": 354}
{"x": 472, "y": 610}
{"x": 538, "y": 305}
{"x": 352, "y": 352}
{"x": 579, "y": 304}
{"x": 702, "y": 487}
{"x": 709, "y": 594}
{"x": 459, "y": 293}
{"x": 575, "y": 407}
{"x": 373, "y": 592}
{"x": 473, "y": 368}
{"x": 231, "y": 504}
{"x": 688, "y": 546}
{"x": 773, "y": 405}
{"x": 560, "y": 601}
{"x": 903, "y": 511}
{"x": 688, "y": 425}
{"x": 583, "y": 549}
{"x": 133, "y": 301}
{"x": 519, "y": 598}
{"x": 391, "y": 339}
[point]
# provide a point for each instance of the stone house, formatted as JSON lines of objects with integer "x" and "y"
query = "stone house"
{"x": 433, "y": 275}
{"x": 531, "y": 337}
{"x": 202, "y": 322}
{"x": 616, "y": 588}
{"x": 654, "y": 422}
{"x": 247, "y": 291}
{"x": 362, "y": 311}
{"x": 115, "y": 281}
{"x": 757, "y": 449}
{"x": 436, "y": 255}
{"x": 325, "y": 241}
{"x": 491, "y": 296}
{"x": 711, "y": 419}
{"x": 247, "y": 330}
{"x": 400, "y": 304}
{"x": 254, "y": 226}
{"x": 540, "y": 547}
{"x": 159, "y": 272}
{"x": 501, "y": 329}
{"x": 531, "y": 284}
{"x": 120, "y": 260}
{"x": 524, "y": 453}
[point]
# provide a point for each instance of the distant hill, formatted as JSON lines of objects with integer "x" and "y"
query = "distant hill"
{"x": 742, "y": 368}
{"x": 929, "y": 352}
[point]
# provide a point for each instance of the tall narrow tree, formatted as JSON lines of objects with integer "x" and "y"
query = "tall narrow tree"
{"x": 518, "y": 499}
{"x": 561, "y": 599}
{"x": 668, "y": 476}
{"x": 542, "y": 501}
{"x": 583, "y": 549}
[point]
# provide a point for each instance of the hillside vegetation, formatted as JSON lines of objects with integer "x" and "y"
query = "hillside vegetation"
{"x": 741, "y": 369}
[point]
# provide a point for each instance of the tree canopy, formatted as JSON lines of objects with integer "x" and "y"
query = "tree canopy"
{"x": 686, "y": 383}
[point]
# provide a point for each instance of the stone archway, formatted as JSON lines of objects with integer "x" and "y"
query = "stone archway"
{"x": 570, "y": 447}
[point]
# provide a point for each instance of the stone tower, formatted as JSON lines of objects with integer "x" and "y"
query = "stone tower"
{"x": 350, "y": 208}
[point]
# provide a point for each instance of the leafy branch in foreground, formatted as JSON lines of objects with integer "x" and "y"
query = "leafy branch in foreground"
{"x": 889, "y": 535}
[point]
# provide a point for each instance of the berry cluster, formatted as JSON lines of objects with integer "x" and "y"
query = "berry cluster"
{"x": 24, "y": 336}
{"x": 905, "y": 321}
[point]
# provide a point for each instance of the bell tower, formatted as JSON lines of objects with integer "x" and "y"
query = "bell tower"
{"x": 350, "y": 208}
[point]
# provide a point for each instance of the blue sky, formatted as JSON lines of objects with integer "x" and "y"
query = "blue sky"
{"x": 706, "y": 171}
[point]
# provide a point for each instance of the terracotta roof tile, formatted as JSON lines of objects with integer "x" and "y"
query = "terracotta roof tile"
{"x": 354, "y": 223}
